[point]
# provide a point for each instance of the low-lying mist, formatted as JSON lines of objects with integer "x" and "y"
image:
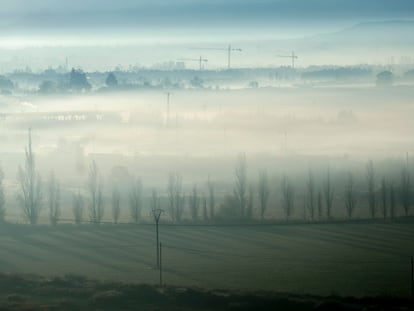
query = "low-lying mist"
{"x": 198, "y": 134}
{"x": 359, "y": 122}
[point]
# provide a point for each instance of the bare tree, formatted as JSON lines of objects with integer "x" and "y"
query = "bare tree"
{"x": 78, "y": 207}
{"x": 287, "y": 197}
{"x": 154, "y": 200}
{"x": 240, "y": 187}
{"x": 405, "y": 190}
{"x": 95, "y": 186}
{"x": 350, "y": 195}
{"x": 311, "y": 196}
{"x": 175, "y": 196}
{"x": 135, "y": 200}
{"x": 211, "y": 197}
{"x": 2, "y": 198}
{"x": 370, "y": 171}
{"x": 250, "y": 203}
{"x": 328, "y": 192}
{"x": 320, "y": 206}
{"x": 54, "y": 199}
{"x": 384, "y": 198}
{"x": 116, "y": 204}
{"x": 264, "y": 191}
{"x": 194, "y": 204}
{"x": 393, "y": 204}
{"x": 205, "y": 210}
{"x": 173, "y": 178}
{"x": 30, "y": 196}
{"x": 305, "y": 207}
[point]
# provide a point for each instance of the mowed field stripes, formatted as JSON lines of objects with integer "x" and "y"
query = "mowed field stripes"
{"x": 344, "y": 258}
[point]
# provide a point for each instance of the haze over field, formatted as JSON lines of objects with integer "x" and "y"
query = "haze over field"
{"x": 180, "y": 94}
{"x": 233, "y": 84}
{"x": 270, "y": 142}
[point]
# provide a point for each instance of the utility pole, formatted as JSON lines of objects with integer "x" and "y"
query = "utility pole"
{"x": 412, "y": 277}
{"x": 157, "y": 215}
{"x": 293, "y": 56}
{"x": 200, "y": 61}
{"x": 160, "y": 247}
{"x": 228, "y": 49}
{"x": 168, "y": 108}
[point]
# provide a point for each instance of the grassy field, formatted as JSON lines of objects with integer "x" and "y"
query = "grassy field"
{"x": 346, "y": 259}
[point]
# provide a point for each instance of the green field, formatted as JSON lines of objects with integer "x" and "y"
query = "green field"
{"x": 346, "y": 258}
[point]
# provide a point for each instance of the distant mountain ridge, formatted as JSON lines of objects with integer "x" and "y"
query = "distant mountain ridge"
{"x": 381, "y": 34}
{"x": 393, "y": 25}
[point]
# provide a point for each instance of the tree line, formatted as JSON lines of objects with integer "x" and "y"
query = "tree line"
{"x": 248, "y": 200}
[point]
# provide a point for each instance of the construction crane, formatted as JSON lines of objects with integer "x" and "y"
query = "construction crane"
{"x": 292, "y": 56}
{"x": 200, "y": 60}
{"x": 229, "y": 49}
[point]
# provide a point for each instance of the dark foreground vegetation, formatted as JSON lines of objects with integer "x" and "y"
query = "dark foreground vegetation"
{"x": 72, "y": 292}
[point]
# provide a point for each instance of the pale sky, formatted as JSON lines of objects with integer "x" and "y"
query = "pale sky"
{"x": 262, "y": 28}
{"x": 46, "y": 15}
